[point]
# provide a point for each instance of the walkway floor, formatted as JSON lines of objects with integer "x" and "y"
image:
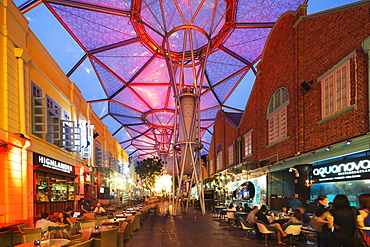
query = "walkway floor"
{"x": 194, "y": 230}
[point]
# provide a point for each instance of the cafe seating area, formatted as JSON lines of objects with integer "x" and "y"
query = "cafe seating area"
{"x": 89, "y": 230}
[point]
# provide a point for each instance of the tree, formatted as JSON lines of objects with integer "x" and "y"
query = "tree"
{"x": 149, "y": 170}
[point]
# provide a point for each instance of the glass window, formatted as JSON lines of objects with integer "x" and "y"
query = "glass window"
{"x": 231, "y": 154}
{"x": 277, "y": 115}
{"x": 248, "y": 144}
{"x": 211, "y": 167}
{"x": 335, "y": 90}
{"x": 219, "y": 158}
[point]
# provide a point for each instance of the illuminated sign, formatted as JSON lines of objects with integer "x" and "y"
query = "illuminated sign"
{"x": 349, "y": 170}
{"x": 48, "y": 162}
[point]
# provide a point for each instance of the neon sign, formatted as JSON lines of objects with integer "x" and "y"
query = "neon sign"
{"x": 45, "y": 161}
{"x": 359, "y": 169}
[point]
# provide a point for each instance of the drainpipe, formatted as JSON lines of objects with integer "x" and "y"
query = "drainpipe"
{"x": 22, "y": 57}
{"x": 366, "y": 47}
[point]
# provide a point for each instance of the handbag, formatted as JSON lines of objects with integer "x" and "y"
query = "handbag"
{"x": 315, "y": 224}
{"x": 358, "y": 239}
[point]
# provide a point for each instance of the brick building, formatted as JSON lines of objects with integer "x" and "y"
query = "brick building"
{"x": 309, "y": 106}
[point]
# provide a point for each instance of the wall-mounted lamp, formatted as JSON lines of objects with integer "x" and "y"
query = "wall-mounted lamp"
{"x": 282, "y": 161}
{"x": 307, "y": 85}
{"x": 348, "y": 142}
{"x": 327, "y": 148}
{"x": 312, "y": 153}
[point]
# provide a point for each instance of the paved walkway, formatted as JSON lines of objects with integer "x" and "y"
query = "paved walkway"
{"x": 193, "y": 230}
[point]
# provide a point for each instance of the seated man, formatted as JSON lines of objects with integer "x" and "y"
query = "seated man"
{"x": 44, "y": 223}
{"x": 99, "y": 210}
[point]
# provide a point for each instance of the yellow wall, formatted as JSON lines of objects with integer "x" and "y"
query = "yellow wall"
{"x": 16, "y": 199}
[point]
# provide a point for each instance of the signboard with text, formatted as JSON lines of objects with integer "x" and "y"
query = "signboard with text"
{"x": 39, "y": 159}
{"x": 357, "y": 169}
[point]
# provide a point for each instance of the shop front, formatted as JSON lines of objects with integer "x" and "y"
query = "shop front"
{"x": 54, "y": 185}
{"x": 350, "y": 177}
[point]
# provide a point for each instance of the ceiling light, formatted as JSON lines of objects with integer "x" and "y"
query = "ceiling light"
{"x": 348, "y": 142}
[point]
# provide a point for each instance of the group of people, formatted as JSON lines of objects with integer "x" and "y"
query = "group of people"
{"x": 340, "y": 220}
{"x": 85, "y": 207}
{"x": 62, "y": 218}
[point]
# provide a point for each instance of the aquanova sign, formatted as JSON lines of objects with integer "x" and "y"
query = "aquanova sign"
{"x": 349, "y": 170}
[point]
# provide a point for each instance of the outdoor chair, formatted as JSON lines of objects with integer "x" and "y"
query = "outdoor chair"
{"x": 87, "y": 224}
{"x": 264, "y": 230}
{"x": 246, "y": 226}
{"x": 293, "y": 229}
{"x": 31, "y": 234}
{"x": 90, "y": 215}
{"x": 121, "y": 234}
{"x": 136, "y": 222}
{"x": 6, "y": 239}
{"x": 128, "y": 230}
{"x": 231, "y": 217}
{"x": 86, "y": 243}
{"x": 108, "y": 238}
{"x": 100, "y": 218}
{"x": 84, "y": 237}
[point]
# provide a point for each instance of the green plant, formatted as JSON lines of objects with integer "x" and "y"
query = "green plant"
{"x": 149, "y": 170}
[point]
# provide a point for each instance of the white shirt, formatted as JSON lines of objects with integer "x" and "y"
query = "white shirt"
{"x": 44, "y": 224}
{"x": 99, "y": 210}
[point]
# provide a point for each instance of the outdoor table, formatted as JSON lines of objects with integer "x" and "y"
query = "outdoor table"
{"x": 112, "y": 221}
{"x": 51, "y": 242}
{"x": 94, "y": 230}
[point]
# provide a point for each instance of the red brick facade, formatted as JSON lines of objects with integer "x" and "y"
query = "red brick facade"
{"x": 303, "y": 48}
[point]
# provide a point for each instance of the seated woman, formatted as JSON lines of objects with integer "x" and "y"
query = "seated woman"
{"x": 63, "y": 218}
{"x": 261, "y": 215}
{"x": 283, "y": 213}
{"x": 231, "y": 207}
{"x": 295, "y": 219}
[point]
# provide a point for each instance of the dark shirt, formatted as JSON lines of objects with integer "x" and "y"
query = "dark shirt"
{"x": 319, "y": 212}
{"x": 262, "y": 217}
{"x": 306, "y": 218}
{"x": 247, "y": 209}
{"x": 345, "y": 219}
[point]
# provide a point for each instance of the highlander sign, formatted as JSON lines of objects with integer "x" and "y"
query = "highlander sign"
{"x": 45, "y": 161}
{"x": 348, "y": 170}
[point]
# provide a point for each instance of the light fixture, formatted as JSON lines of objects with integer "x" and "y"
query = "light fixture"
{"x": 312, "y": 153}
{"x": 327, "y": 148}
{"x": 348, "y": 142}
{"x": 282, "y": 161}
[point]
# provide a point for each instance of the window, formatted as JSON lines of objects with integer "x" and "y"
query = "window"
{"x": 219, "y": 158}
{"x": 36, "y": 91}
{"x": 335, "y": 90}
{"x": 231, "y": 154}
{"x": 248, "y": 143}
{"x": 211, "y": 167}
{"x": 277, "y": 115}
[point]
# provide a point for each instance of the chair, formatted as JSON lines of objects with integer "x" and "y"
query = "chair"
{"x": 86, "y": 243}
{"x": 121, "y": 234}
{"x": 108, "y": 238}
{"x": 136, "y": 222}
{"x": 100, "y": 218}
{"x": 231, "y": 217}
{"x": 293, "y": 229}
{"x": 90, "y": 215}
{"x": 31, "y": 234}
{"x": 17, "y": 234}
{"x": 6, "y": 239}
{"x": 87, "y": 224}
{"x": 84, "y": 237}
{"x": 246, "y": 226}
{"x": 264, "y": 230}
{"x": 128, "y": 230}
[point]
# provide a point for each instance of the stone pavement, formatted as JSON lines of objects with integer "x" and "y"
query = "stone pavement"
{"x": 194, "y": 230}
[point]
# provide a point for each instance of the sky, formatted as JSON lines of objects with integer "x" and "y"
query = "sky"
{"x": 67, "y": 53}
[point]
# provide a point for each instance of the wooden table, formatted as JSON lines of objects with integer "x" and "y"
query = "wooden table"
{"x": 112, "y": 221}
{"x": 52, "y": 242}
{"x": 93, "y": 230}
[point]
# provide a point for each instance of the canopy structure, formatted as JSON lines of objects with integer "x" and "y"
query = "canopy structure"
{"x": 143, "y": 52}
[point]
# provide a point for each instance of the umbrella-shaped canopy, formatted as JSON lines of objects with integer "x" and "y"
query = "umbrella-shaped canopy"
{"x": 126, "y": 43}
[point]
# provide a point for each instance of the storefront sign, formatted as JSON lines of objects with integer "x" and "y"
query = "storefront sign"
{"x": 349, "y": 170}
{"x": 48, "y": 162}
